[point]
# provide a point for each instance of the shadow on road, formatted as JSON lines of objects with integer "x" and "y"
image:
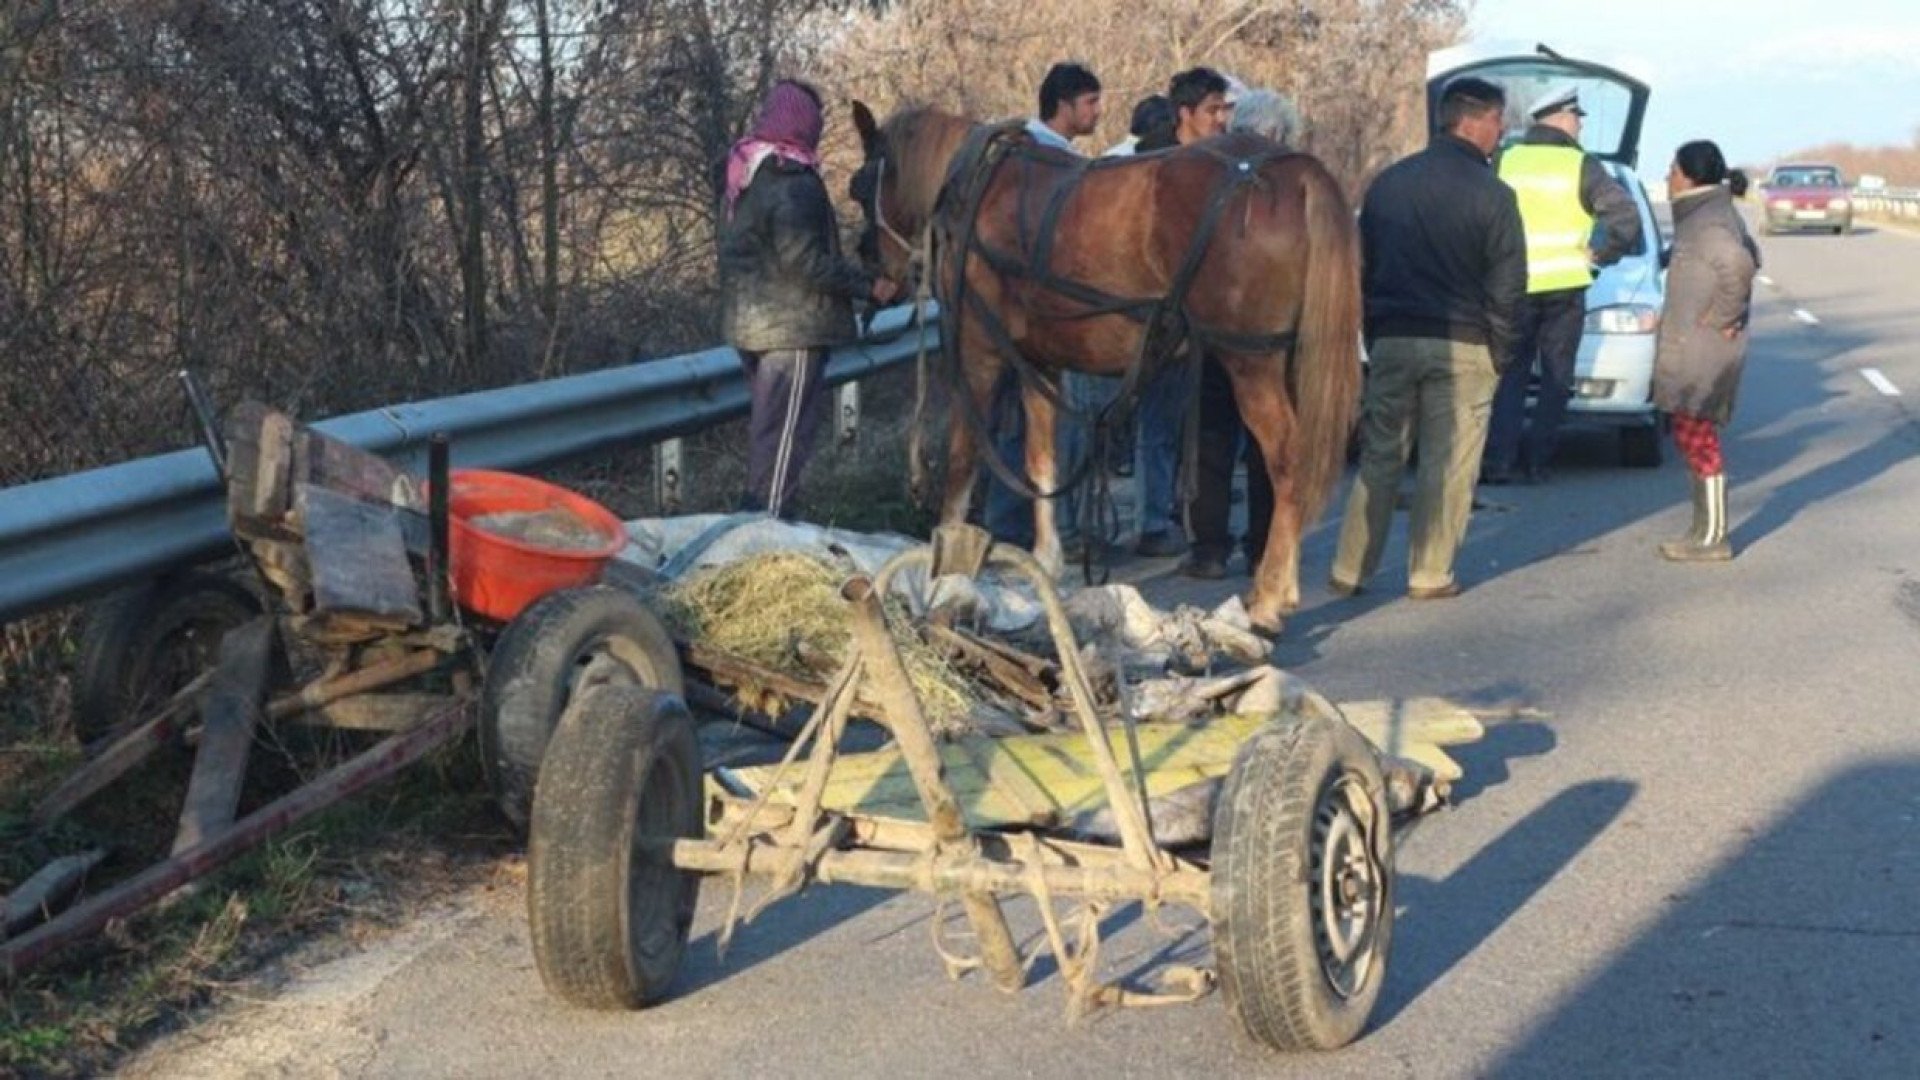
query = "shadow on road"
{"x": 1785, "y": 502}
{"x": 1486, "y": 761}
{"x": 1797, "y": 958}
{"x": 1442, "y": 922}
{"x": 786, "y": 925}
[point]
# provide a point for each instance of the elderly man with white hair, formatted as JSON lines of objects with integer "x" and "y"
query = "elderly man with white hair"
{"x": 1223, "y": 441}
{"x": 1269, "y": 114}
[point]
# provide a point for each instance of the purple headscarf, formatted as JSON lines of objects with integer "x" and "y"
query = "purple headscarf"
{"x": 787, "y": 127}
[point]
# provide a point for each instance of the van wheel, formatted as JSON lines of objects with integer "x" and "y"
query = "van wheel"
{"x": 1641, "y": 446}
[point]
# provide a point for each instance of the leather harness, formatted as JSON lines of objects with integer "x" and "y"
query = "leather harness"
{"x": 954, "y": 236}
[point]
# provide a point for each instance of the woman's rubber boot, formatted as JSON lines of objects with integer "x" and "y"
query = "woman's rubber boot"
{"x": 1708, "y": 543}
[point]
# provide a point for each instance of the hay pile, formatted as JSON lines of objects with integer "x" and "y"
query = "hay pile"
{"x": 783, "y": 611}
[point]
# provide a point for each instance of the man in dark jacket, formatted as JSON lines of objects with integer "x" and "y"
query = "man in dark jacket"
{"x": 1200, "y": 111}
{"x": 786, "y": 291}
{"x": 1444, "y": 273}
{"x": 1563, "y": 191}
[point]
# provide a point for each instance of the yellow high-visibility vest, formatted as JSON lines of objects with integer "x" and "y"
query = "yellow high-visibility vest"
{"x": 1546, "y": 180}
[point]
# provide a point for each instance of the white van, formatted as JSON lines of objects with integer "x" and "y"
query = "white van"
{"x": 1613, "y": 378}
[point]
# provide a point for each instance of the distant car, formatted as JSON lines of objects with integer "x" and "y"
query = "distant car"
{"x": 1613, "y": 375}
{"x": 1807, "y": 197}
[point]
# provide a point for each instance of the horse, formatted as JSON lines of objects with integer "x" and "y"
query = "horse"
{"x": 1054, "y": 263}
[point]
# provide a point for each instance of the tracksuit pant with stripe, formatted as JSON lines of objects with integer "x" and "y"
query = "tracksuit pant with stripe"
{"x": 789, "y": 402}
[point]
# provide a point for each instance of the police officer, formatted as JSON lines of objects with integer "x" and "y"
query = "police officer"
{"x": 1563, "y": 191}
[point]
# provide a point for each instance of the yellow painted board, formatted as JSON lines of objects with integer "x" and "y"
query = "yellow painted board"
{"x": 1404, "y": 722}
{"x": 1056, "y": 769}
{"x": 1040, "y": 779}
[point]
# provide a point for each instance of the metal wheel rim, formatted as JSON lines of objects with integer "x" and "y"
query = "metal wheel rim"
{"x": 653, "y": 882}
{"x": 1347, "y": 888}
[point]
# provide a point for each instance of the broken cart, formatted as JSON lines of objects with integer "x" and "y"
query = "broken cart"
{"x": 1297, "y": 883}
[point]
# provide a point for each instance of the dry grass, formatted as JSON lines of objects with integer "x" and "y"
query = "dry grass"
{"x": 784, "y": 611}
{"x": 353, "y": 872}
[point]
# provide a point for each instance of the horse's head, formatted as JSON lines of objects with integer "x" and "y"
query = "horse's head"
{"x": 898, "y": 183}
{"x": 881, "y": 248}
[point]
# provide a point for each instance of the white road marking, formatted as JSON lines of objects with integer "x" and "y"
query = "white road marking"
{"x": 1764, "y": 280}
{"x": 1806, "y": 316}
{"x": 1880, "y": 382}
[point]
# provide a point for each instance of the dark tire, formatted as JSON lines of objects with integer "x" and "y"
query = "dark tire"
{"x": 1641, "y": 446}
{"x": 537, "y": 667}
{"x": 141, "y": 645}
{"x": 608, "y": 913}
{"x": 1300, "y": 828}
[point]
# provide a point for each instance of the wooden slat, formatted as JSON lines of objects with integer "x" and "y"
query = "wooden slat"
{"x": 43, "y": 894}
{"x": 1007, "y": 781}
{"x": 233, "y": 706}
{"x": 379, "y": 712}
{"x": 1400, "y": 722}
{"x": 358, "y": 559}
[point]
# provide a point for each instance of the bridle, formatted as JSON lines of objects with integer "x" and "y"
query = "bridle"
{"x": 920, "y": 270}
{"x": 917, "y": 252}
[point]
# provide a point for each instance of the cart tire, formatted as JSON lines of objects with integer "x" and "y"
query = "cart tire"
{"x": 1298, "y": 973}
{"x": 536, "y": 668}
{"x": 140, "y": 645}
{"x": 609, "y": 923}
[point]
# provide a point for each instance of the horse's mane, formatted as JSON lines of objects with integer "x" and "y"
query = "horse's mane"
{"x": 917, "y": 146}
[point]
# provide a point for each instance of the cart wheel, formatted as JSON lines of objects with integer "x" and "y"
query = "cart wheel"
{"x": 608, "y": 911}
{"x": 542, "y": 659}
{"x": 1302, "y": 885}
{"x": 141, "y": 645}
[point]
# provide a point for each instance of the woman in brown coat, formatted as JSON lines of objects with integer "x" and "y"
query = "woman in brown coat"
{"x": 1703, "y": 336}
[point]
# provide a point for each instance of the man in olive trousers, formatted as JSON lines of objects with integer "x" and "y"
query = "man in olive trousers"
{"x": 1445, "y": 271}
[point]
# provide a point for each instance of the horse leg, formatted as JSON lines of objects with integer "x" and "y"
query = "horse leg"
{"x": 1041, "y": 472}
{"x": 963, "y": 446}
{"x": 1264, "y": 408}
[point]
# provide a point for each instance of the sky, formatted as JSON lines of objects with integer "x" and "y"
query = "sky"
{"x": 1761, "y": 77}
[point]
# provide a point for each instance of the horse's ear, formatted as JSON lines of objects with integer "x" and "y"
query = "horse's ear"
{"x": 869, "y": 131}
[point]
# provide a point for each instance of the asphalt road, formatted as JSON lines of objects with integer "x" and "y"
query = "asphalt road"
{"x": 1701, "y": 858}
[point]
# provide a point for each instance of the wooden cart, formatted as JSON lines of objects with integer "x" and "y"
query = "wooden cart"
{"x": 1297, "y": 883}
{"x": 344, "y": 621}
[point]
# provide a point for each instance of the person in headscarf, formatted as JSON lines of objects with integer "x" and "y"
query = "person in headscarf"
{"x": 1702, "y": 344}
{"x": 787, "y": 292}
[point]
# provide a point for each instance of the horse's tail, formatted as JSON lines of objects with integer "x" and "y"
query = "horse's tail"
{"x": 1326, "y": 360}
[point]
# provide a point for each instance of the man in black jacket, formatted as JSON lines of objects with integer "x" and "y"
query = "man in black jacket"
{"x": 1562, "y": 191}
{"x": 1444, "y": 274}
{"x": 786, "y": 291}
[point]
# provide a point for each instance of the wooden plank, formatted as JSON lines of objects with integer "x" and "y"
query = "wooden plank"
{"x": 41, "y": 895}
{"x": 1054, "y": 769}
{"x": 358, "y": 559}
{"x": 348, "y": 470}
{"x": 379, "y": 712}
{"x": 233, "y": 706}
{"x": 1394, "y": 724}
{"x": 121, "y": 754}
{"x": 1009, "y": 776}
{"x": 259, "y": 455}
{"x": 1005, "y": 781}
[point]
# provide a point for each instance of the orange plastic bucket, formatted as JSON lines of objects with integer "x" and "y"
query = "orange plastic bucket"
{"x": 499, "y": 576}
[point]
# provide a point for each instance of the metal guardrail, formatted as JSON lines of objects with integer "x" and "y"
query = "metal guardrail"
{"x": 1896, "y": 203}
{"x": 74, "y": 536}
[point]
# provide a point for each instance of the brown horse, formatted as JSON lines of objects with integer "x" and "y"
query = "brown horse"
{"x": 1280, "y": 268}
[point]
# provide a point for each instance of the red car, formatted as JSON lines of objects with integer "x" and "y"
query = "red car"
{"x": 1807, "y": 197}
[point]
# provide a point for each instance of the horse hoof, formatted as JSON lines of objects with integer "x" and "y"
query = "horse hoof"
{"x": 1266, "y": 628}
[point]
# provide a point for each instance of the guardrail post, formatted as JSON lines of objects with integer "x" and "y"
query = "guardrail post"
{"x": 847, "y": 414}
{"x": 668, "y": 476}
